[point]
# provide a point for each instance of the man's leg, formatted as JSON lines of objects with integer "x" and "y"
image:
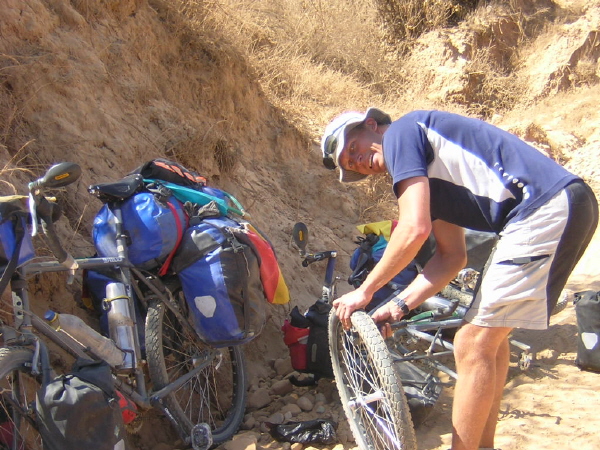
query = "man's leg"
{"x": 502, "y": 363}
{"x": 481, "y": 356}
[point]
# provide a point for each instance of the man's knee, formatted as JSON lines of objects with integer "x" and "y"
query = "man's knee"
{"x": 473, "y": 342}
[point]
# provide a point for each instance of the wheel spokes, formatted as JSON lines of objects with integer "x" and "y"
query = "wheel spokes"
{"x": 368, "y": 401}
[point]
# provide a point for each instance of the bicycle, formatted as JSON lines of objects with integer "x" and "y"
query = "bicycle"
{"x": 362, "y": 383}
{"x": 201, "y": 390}
{"x": 388, "y": 387}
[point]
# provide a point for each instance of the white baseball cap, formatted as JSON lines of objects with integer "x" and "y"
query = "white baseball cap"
{"x": 334, "y": 139}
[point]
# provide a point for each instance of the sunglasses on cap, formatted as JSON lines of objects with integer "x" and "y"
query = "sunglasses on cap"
{"x": 330, "y": 145}
{"x": 329, "y": 151}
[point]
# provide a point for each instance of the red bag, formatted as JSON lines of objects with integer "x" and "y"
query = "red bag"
{"x": 296, "y": 339}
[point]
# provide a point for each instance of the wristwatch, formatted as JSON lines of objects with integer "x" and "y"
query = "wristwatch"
{"x": 400, "y": 303}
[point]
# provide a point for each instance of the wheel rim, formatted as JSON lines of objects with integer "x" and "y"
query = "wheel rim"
{"x": 16, "y": 411}
{"x": 367, "y": 402}
{"x": 208, "y": 397}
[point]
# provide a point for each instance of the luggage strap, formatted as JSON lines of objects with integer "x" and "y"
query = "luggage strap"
{"x": 167, "y": 263}
{"x": 187, "y": 194}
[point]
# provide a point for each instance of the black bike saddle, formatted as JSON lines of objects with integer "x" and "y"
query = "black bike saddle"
{"x": 117, "y": 190}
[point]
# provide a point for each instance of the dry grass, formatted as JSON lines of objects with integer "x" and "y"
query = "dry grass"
{"x": 306, "y": 54}
{"x": 315, "y": 59}
{"x": 378, "y": 201}
{"x": 487, "y": 90}
{"x": 406, "y": 20}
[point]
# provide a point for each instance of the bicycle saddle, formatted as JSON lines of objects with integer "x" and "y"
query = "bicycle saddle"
{"x": 117, "y": 190}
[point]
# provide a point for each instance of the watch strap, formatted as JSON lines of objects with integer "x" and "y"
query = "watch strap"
{"x": 400, "y": 303}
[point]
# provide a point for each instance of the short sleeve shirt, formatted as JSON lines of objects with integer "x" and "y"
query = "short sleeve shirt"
{"x": 480, "y": 176}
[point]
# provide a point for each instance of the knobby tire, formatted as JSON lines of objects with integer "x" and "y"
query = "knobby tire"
{"x": 465, "y": 298}
{"x": 217, "y": 395}
{"x": 369, "y": 386}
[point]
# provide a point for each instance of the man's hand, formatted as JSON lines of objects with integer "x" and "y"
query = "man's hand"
{"x": 348, "y": 303}
{"x": 385, "y": 315}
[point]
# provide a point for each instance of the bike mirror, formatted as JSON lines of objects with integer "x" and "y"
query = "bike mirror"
{"x": 60, "y": 175}
{"x": 300, "y": 235}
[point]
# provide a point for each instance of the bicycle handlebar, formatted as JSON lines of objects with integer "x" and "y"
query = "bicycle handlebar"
{"x": 447, "y": 311}
{"x": 48, "y": 212}
{"x": 433, "y": 315}
{"x": 320, "y": 256}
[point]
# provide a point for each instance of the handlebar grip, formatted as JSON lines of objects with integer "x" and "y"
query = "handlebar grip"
{"x": 56, "y": 247}
{"x": 314, "y": 257}
{"x": 47, "y": 210}
{"x": 398, "y": 325}
{"x": 442, "y": 313}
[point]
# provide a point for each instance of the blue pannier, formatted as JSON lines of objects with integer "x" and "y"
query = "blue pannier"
{"x": 220, "y": 278}
{"x": 152, "y": 227}
{"x": 13, "y": 217}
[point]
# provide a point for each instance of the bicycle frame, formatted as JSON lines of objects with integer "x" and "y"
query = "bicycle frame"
{"x": 300, "y": 236}
{"x": 437, "y": 314}
{"x": 27, "y": 324}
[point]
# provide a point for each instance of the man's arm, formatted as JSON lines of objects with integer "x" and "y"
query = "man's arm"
{"x": 450, "y": 256}
{"x": 411, "y": 232}
{"x": 413, "y": 228}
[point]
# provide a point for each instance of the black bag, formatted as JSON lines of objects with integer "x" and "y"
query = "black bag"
{"x": 316, "y": 431}
{"x": 81, "y": 410}
{"x": 587, "y": 310}
{"x": 317, "y": 359}
{"x": 368, "y": 253}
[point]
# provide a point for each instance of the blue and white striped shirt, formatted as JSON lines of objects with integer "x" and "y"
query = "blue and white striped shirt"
{"x": 480, "y": 176}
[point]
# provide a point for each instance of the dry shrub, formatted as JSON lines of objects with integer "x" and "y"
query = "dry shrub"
{"x": 406, "y": 20}
{"x": 13, "y": 134}
{"x": 535, "y": 134}
{"x": 585, "y": 73}
{"x": 488, "y": 90}
{"x": 378, "y": 201}
{"x": 205, "y": 150}
{"x": 585, "y": 62}
{"x": 101, "y": 8}
{"x": 307, "y": 55}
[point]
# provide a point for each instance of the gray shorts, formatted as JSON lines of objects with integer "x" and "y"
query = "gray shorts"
{"x": 533, "y": 260}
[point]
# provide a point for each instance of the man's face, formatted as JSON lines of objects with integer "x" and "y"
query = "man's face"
{"x": 363, "y": 152}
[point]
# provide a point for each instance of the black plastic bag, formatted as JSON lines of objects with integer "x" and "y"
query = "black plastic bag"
{"x": 317, "y": 431}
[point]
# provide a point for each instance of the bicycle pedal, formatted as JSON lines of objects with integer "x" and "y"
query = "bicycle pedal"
{"x": 525, "y": 361}
{"x": 201, "y": 437}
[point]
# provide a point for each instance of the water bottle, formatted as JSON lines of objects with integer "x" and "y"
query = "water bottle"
{"x": 85, "y": 335}
{"x": 120, "y": 322}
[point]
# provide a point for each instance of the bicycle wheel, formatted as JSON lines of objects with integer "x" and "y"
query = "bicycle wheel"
{"x": 452, "y": 292}
{"x": 17, "y": 404}
{"x": 561, "y": 303}
{"x": 216, "y": 395}
{"x": 369, "y": 386}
